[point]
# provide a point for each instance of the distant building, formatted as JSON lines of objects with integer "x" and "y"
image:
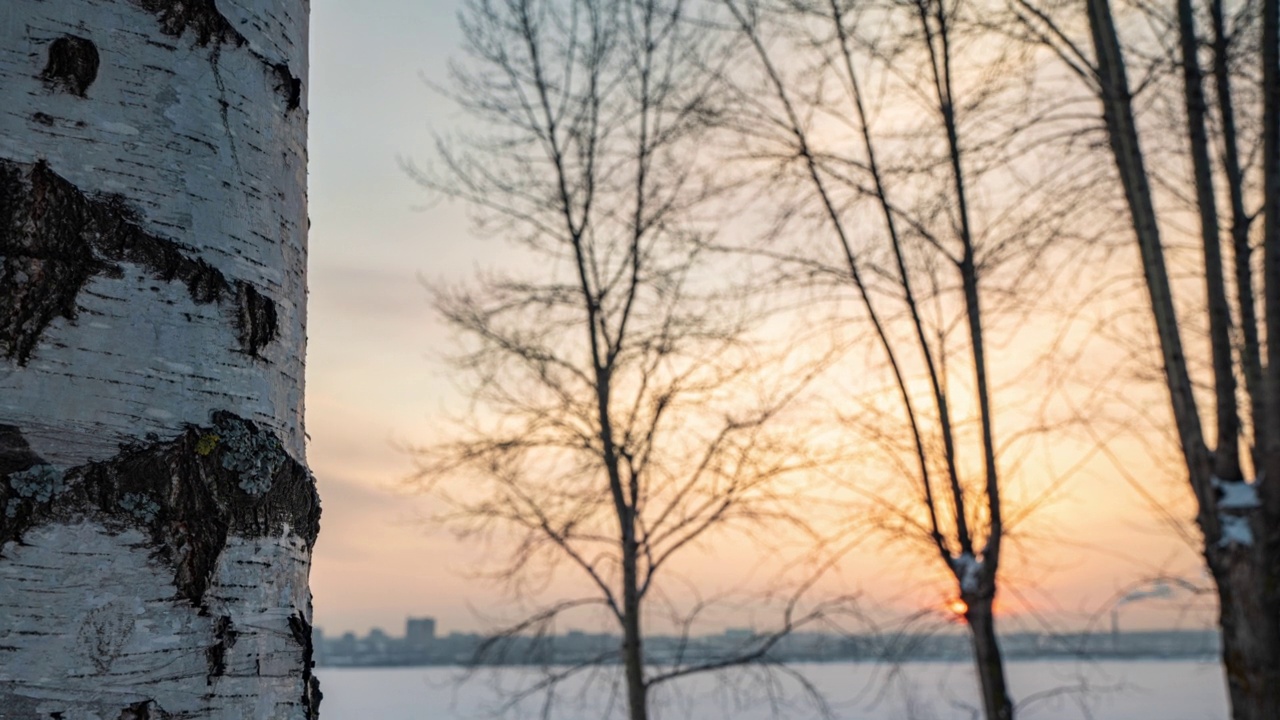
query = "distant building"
{"x": 420, "y": 633}
{"x": 318, "y": 646}
{"x": 377, "y": 642}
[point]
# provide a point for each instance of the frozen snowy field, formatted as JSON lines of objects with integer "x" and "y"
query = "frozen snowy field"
{"x": 1049, "y": 690}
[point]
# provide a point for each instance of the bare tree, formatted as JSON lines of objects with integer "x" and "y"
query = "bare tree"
{"x": 963, "y": 215}
{"x": 156, "y": 514}
{"x": 1225, "y": 129}
{"x": 626, "y": 406}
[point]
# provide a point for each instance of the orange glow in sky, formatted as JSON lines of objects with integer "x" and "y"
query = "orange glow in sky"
{"x": 375, "y": 386}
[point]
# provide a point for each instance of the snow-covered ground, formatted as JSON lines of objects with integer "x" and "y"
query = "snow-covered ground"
{"x": 1049, "y": 690}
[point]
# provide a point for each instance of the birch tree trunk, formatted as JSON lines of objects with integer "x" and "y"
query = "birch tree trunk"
{"x": 156, "y": 513}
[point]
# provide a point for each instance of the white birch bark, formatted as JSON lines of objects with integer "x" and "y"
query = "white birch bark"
{"x": 156, "y": 514}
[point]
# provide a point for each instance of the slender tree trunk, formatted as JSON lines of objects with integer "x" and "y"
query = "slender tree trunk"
{"x": 979, "y": 613}
{"x": 156, "y": 513}
{"x": 1239, "y": 537}
{"x": 1270, "y": 56}
{"x": 1255, "y": 680}
{"x": 1227, "y": 447}
{"x": 986, "y": 656}
{"x": 986, "y": 646}
{"x": 1250, "y": 348}
{"x": 1122, "y": 133}
{"x": 632, "y": 640}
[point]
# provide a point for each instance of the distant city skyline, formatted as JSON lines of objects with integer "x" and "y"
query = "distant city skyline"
{"x": 420, "y": 645}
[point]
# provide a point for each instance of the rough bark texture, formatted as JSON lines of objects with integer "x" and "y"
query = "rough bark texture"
{"x": 1248, "y": 617}
{"x": 188, "y": 494}
{"x": 56, "y": 239}
{"x": 156, "y": 513}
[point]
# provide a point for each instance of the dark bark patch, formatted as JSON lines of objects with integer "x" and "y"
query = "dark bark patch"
{"x": 72, "y": 66}
{"x": 200, "y": 17}
{"x": 103, "y": 635}
{"x": 15, "y": 454}
{"x": 290, "y": 87}
{"x": 311, "y": 695}
{"x": 188, "y": 493}
{"x": 144, "y": 710}
{"x": 255, "y": 319}
{"x": 211, "y": 28}
{"x": 42, "y": 118}
{"x": 17, "y": 705}
{"x": 224, "y": 638}
{"x": 55, "y": 238}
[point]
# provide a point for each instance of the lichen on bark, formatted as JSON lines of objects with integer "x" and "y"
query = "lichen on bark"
{"x": 54, "y": 239}
{"x": 187, "y": 495}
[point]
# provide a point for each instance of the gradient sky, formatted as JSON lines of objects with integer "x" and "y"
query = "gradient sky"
{"x": 374, "y": 382}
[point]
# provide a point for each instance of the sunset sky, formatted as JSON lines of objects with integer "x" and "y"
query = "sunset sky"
{"x": 375, "y": 383}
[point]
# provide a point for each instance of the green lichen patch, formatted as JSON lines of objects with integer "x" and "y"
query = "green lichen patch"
{"x": 207, "y": 443}
{"x": 189, "y": 501}
{"x": 54, "y": 239}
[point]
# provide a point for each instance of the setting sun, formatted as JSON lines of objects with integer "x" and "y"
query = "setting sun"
{"x": 958, "y": 607}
